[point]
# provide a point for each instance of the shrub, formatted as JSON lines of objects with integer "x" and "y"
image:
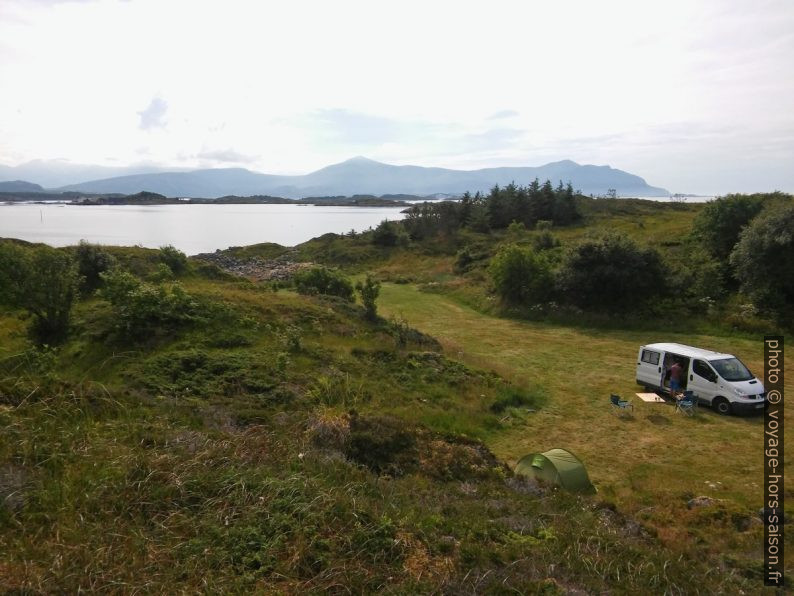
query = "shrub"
{"x": 92, "y": 260}
{"x": 162, "y": 273}
{"x": 545, "y": 240}
{"x": 321, "y": 280}
{"x": 520, "y": 275}
{"x": 763, "y": 261}
{"x": 369, "y": 292}
{"x": 699, "y": 281}
{"x": 610, "y": 272}
{"x": 516, "y": 230}
{"x": 44, "y": 282}
{"x": 290, "y": 338}
{"x": 142, "y": 308}
{"x": 389, "y": 233}
{"x": 720, "y": 222}
{"x": 174, "y": 258}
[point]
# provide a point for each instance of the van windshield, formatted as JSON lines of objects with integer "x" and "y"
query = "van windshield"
{"x": 732, "y": 369}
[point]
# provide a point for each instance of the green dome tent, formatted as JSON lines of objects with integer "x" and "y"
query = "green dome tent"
{"x": 558, "y": 467}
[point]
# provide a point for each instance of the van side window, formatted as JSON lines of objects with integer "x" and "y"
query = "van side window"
{"x": 650, "y": 357}
{"x": 702, "y": 369}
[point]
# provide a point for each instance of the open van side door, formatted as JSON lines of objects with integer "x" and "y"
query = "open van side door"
{"x": 649, "y": 367}
{"x": 703, "y": 380}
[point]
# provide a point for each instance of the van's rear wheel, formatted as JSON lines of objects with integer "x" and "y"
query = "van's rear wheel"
{"x": 722, "y": 406}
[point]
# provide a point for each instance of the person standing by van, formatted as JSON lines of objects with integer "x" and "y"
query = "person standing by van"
{"x": 676, "y": 378}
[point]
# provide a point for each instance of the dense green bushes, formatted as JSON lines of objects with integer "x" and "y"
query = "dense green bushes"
{"x": 748, "y": 238}
{"x": 740, "y": 244}
{"x": 92, "y": 261}
{"x": 173, "y": 258}
{"x": 142, "y": 308}
{"x": 601, "y": 273}
{"x": 718, "y": 225}
{"x": 763, "y": 261}
{"x": 42, "y": 281}
{"x": 521, "y": 276}
{"x": 610, "y": 272}
{"x": 321, "y": 280}
{"x": 389, "y": 233}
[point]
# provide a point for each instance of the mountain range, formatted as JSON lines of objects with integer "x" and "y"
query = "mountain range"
{"x": 358, "y": 175}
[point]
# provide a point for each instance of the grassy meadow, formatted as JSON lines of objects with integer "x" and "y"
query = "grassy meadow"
{"x": 653, "y": 461}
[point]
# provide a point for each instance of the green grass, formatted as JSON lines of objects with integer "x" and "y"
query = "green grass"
{"x": 286, "y": 444}
{"x": 651, "y": 464}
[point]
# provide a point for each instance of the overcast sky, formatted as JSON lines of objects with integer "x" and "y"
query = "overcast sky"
{"x": 694, "y": 96}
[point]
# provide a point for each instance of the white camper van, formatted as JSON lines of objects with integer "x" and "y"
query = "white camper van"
{"x": 720, "y": 380}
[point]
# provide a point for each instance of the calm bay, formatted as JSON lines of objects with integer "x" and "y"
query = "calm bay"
{"x": 190, "y": 228}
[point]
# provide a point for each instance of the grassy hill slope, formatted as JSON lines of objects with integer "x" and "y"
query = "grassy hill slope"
{"x": 274, "y": 442}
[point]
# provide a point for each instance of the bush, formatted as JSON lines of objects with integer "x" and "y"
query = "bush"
{"x": 321, "y": 280}
{"x": 610, "y": 272}
{"x": 142, "y": 308}
{"x": 92, "y": 260}
{"x": 44, "y": 282}
{"x": 369, "y": 292}
{"x": 720, "y": 222}
{"x": 389, "y": 233}
{"x": 516, "y": 230}
{"x": 763, "y": 262}
{"x": 699, "y": 280}
{"x": 520, "y": 276}
{"x": 545, "y": 240}
{"x": 174, "y": 258}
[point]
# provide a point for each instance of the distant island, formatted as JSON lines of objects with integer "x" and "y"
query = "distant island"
{"x": 356, "y": 176}
{"x": 153, "y": 198}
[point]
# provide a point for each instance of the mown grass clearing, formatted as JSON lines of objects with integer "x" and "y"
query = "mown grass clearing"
{"x": 653, "y": 462}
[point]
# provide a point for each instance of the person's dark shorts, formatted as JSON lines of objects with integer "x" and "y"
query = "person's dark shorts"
{"x": 675, "y": 385}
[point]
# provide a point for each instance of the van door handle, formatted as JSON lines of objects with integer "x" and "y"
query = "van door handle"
{"x": 690, "y": 377}
{"x": 660, "y": 369}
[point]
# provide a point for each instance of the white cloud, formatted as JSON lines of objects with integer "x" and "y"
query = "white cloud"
{"x": 225, "y": 156}
{"x": 501, "y": 114}
{"x": 154, "y": 114}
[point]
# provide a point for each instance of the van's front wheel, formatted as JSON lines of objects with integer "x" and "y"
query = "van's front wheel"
{"x": 722, "y": 406}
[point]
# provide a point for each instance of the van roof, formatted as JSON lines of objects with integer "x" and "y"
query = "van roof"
{"x": 689, "y": 351}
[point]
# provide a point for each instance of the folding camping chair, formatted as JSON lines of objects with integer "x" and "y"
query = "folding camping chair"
{"x": 621, "y": 405}
{"x": 687, "y": 404}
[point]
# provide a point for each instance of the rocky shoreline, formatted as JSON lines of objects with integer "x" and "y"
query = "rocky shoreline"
{"x": 281, "y": 268}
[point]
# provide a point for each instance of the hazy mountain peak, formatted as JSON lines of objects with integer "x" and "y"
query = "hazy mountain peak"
{"x": 361, "y": 160}
{"x": 564, "y": 162}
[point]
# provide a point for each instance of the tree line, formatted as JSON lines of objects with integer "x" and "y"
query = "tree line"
{"x": 484, "y": 212}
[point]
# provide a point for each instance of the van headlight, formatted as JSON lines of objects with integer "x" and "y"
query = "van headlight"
{"x": 739, "y": 392}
